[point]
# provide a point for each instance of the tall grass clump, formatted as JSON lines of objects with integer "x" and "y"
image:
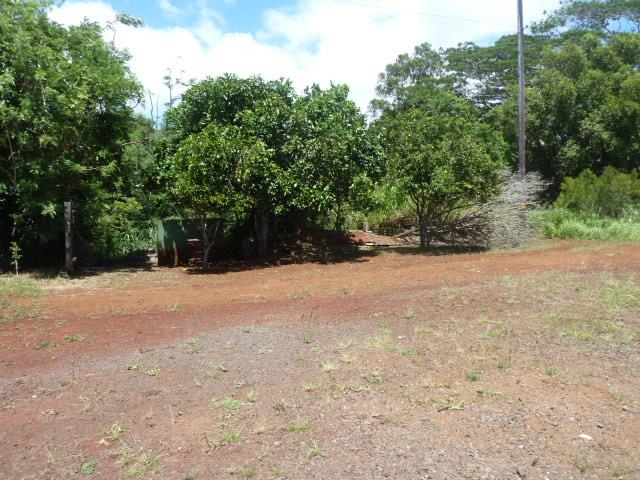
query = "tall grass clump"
{"x": 591, "y": 207}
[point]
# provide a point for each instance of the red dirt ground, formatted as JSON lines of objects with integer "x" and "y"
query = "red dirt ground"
{"x": 393, "y": 364}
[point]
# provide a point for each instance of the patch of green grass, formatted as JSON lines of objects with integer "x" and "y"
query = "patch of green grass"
{"x": 317, "y": 449}
{"x": 229, "y": 403}
{"x": 114, "y": 431}
{"x": 482, "y": 393}
{"x": 473, "y": 375}
{"x": 228, "y": 437}
{"x": 215, "y": 369}
{"x": 495, "y": 333}
{"x": 74, "y": 338}
{"x": 578, "y": 334}
{"x": 306, "y": 339}
{"x": 553, "y": 372}
{"x": 621, "y": 398}
{"x": 327, "y": 366}
{"x": 18, "y": 314}
{"x": 278, "y": 472}
{"x": 564, "y": 224}
{"x": 89, "y": 468}
{"x": 372, "y": 376}
{"x": 299, "y": 426}
{"x": 249, "y": 473}
{"x": 145, "y": 463}
{"x": 19, "y": 287}
{"x": 43, "y": 345}
{"x": 583, "y": 464}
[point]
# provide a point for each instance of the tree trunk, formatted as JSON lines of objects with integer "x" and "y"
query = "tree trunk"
{"x": 262, "y": 232}
{"x": 424, "y": 235}
{"x": 209, "y": 233}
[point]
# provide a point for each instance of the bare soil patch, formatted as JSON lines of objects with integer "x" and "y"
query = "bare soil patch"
{"x": 393, "y": 364}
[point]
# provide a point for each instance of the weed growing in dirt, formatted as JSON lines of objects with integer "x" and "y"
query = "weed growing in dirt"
{"x": 89, "y": 468}
{"x": 74, "y": 338}
{"x": 43, "y": 345}
{"x": 87, "y": 406}
{"x": 504, "y": 364}
{"x": 621, "y": 398}
{"x": 310, "y": 387}
{"x": 583, "y": 464}
{"x": 298, "y": 426}
{"x": 553, "y": 372}
{"x": 327, "y": 367}
{"x": 306, "y": 339}
{"x": 229, "y": 403}
{"x": 347, "y": 358}
{"x": 473, "y": 375}
{"x": 114, "y": 431}
{"x": 18, "y": 313}
{"x": 215, "y": 369}
{"x": 228, "y": 437}
{"x": 153, "y": 372}
{"x": 249, "y": 473}
{"x": 448, "y": 404}
{"x": 372, "y": 376}
{"x": 145, "y": 463}
{"x": 252, "y": 396}
{"x": 260, "y": 427}
{"x": 317, "y": 449}
{"x": 482, "y": 393}
{"x": 578, "y": 334}
{"x": 148, "y": 415}
{"x": 174, "y": 308}
{"x": 278, "y": 472}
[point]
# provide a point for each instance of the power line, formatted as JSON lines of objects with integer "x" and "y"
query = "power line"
{"x": 425, "y": 14}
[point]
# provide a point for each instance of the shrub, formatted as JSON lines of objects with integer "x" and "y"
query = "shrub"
{"x": 614, "y": 194}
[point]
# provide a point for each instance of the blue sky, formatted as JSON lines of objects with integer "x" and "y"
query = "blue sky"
{"x": 307, "y": 41}
{"x": 233, "y": 16}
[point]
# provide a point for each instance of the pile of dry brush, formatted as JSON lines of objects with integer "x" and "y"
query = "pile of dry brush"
{"x": 503, "y": 221}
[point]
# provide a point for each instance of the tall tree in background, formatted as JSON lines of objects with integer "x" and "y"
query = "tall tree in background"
{"x": 65, "y": 112}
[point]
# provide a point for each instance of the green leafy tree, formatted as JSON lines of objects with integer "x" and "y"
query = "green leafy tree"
{"x": 65, "y": 112}
{"x": 334, "y": 152}
{"x": 315, "y": 145}
{"x": 583, "y": 107}
{"x": 261, "y": 109}
{"x": 441, "y": 158}
{"x": 611, "y": 16}
{"x": 208, "y": 172}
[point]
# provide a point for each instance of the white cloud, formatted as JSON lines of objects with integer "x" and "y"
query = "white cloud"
{"x": 321, "y": 41}
{"x": 168, "y": 8}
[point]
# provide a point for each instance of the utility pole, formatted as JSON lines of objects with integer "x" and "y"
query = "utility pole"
{"x": 522, "y": 135}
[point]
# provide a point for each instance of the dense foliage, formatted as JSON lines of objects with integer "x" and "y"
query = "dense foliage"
{"x": 65, "y": 114}
{"x": 313, "y": 150}
{"x": 255, "y": 156}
